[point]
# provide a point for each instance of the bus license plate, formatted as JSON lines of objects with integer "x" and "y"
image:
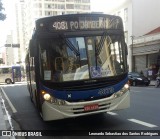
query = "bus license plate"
{"x": 91, "y": 107}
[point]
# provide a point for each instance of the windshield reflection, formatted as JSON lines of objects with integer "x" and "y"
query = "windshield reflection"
{"x": 81, "y": 58}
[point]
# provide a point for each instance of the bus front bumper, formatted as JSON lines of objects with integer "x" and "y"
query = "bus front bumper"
{"x": 75, "y": 109}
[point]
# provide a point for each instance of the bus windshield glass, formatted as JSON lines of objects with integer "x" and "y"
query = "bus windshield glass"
{"x": 81, "y": 58}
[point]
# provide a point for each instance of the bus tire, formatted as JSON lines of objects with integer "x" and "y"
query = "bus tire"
{"x": 30, "y": 93}
{"x": 37, "y": 102}
{"x": 31, "y": 97}
{"x": 8, "y": 81}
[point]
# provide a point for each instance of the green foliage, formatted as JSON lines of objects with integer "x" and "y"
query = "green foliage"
{"x": 2, "y": 15}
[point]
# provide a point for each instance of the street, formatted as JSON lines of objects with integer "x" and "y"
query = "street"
{"x": 143, "y": 113}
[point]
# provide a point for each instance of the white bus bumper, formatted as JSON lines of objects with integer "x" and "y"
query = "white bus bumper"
{"x": 74, "y": 109}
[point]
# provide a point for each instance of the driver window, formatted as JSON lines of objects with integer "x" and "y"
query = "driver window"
{"x": 44, "y": 59}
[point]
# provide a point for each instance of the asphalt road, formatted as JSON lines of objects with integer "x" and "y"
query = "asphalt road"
{"x": 143, "y": 114}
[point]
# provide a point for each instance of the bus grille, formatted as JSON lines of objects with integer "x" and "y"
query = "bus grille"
{"x": 79, "y": 109}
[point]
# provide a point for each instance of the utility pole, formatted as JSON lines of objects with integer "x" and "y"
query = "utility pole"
{"x": 132, "y": 62}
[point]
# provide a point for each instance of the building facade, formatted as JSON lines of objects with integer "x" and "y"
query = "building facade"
{"x": 146, "y": 53}
{"x": 140, "y": 17}
{"x": 11, "y": 52}
{"x": 27, "y": 11}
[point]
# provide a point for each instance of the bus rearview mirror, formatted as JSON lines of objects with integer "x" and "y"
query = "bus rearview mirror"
{"x": 126, "y": 49}
{"x": 31, "y": 48}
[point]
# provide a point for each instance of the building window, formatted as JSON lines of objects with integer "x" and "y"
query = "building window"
{"x": 38, "y": 5}
{"x": 61, "y": 6}
{"x": 85, "y": 1}
{"x": 77, "y": 1}
{"x": 49, "y": 6}
{"x": 54, "y": 12}
{"x": 61, "y": 1}
{"x": 48, "y": 13}
{"x": 87, "y": 7}
{"x": 40, "y": 13}
{"x": 70, "y": 6}
{"x": 125, "y": 14}
{"x": 69, "y": 0}
{"x": 119, "y": 13}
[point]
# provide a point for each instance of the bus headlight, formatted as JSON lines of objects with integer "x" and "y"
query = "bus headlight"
{"x": 47, "y": 97}
{"x": 122, "y": 91}
{"x": 126, "y": 86}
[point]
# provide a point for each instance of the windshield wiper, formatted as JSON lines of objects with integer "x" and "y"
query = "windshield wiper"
{"x": 98, "y": 47}
{"x": 72, "y": 47}
{"x": 79, "y": 54}
{"x": 96, "y": 52}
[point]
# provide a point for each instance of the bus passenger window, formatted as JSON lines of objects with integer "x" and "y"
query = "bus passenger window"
{"x": 6, "y": 70}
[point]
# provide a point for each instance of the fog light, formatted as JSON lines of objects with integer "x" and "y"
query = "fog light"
{"x": 47, "y": 96}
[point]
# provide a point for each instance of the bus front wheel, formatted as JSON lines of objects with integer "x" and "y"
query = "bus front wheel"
{"x": 8, "y": 81}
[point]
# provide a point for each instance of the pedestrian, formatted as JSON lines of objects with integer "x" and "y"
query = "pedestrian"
{"x": 150, "y": 72}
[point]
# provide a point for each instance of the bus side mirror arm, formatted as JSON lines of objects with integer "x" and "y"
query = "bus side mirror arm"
{"x": 31, "y": 48}
{"x": 126, "y": 49}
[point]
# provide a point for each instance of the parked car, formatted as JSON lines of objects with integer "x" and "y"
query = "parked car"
{"x": 136, "y": 78}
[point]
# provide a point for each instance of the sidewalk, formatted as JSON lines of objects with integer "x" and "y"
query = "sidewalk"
{"x": 152, "y": 83}
{"x": 2, "y": 116}
{"x": 2, "y": 123}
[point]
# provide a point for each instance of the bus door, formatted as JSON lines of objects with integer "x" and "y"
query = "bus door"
{"x": 16, "y": 73}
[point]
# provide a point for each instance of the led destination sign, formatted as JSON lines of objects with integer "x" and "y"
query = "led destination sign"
{"x": 82, "y": 23}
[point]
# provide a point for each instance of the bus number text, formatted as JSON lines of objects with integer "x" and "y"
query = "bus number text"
{"x": 60, "y": 25}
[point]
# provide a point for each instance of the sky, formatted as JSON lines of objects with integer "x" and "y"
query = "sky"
{"x": 8, "y": 25}
{"x": 105, "y": 5}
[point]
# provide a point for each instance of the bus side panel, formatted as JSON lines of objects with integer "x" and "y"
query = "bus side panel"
{"x": 5, "y": 74}
{"x": 16, "y": 70}
{"x": 32, "y": 80}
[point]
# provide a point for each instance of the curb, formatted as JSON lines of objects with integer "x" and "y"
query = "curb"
{"x": 2, "y": 119}
{"x": 2, "y": 116}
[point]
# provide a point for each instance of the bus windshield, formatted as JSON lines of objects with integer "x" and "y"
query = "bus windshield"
{"x": 81, "y": 58}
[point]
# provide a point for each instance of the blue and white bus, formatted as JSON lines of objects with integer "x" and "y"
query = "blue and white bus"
{"x": 76, "y": 65}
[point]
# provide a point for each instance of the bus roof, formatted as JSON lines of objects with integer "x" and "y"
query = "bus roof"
{"x": 77, "y": 15}
{"x": 1, "y": 67}
{"x": 10, "y": 66}
{"x": 78, "y": 22}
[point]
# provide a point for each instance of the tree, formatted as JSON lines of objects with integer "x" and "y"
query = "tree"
{"x": 2, "y": 15}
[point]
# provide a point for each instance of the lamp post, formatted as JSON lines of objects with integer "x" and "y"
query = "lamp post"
{"x": 132, "y": 38}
